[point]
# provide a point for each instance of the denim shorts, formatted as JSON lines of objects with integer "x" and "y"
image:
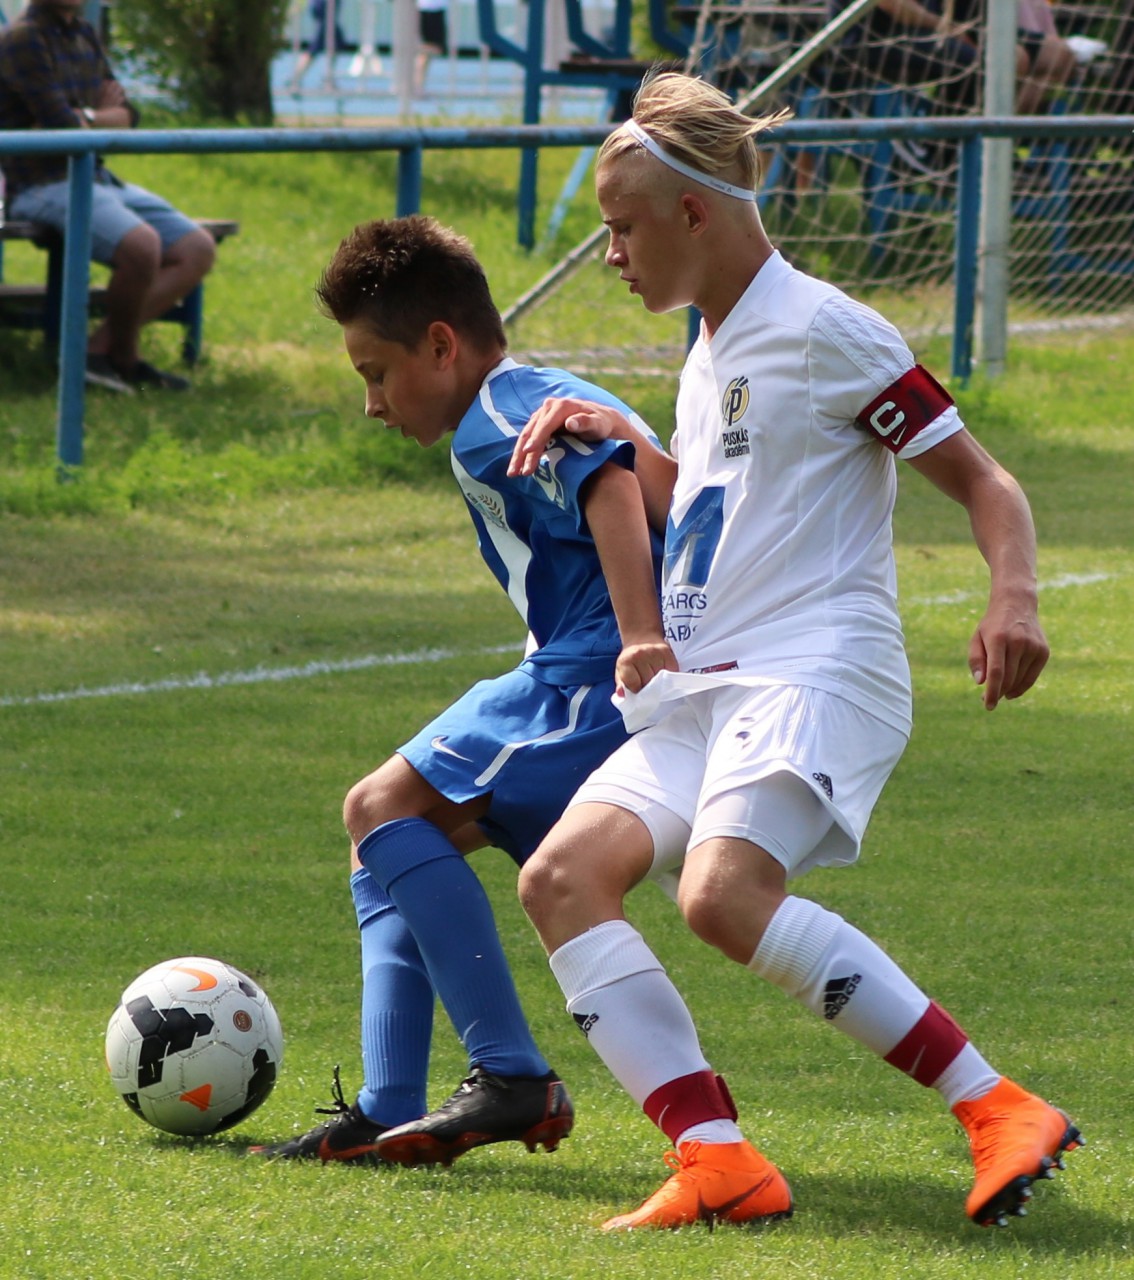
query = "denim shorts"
{"x": 118, "y": 207}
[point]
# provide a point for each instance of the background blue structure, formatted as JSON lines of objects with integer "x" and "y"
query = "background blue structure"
{"x": 411, "y": 144}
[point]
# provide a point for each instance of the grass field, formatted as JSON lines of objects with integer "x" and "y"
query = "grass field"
{"x": 188, "y": 803}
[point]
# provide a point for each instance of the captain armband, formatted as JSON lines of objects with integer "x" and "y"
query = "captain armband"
{"x": 905, "y": 408}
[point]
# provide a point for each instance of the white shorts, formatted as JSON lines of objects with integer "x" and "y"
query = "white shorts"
{"x": 720, "y": 764}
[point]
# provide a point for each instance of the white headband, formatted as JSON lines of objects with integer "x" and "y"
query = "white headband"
{"x": 636, "y": 131}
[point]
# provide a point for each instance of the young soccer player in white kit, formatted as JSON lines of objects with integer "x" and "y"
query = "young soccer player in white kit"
{"x": 781, "y": 703}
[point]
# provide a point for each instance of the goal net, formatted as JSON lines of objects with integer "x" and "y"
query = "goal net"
{"x": 878, "y": 218}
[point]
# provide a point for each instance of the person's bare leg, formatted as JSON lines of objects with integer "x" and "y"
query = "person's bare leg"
{"x": 1054, "y": 67}
{"x": 133, "y": 270}
{"x": 144, "y": 285}
{"x": 301, "y": 65}
{"x": 185, "y": 264}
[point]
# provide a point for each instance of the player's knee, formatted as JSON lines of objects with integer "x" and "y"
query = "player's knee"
{"x": 542, "y": 884}
{"x": 731, "y": 921}
{"x": 368, "y": 804}
{"x": 704, "y": 912}
{"x": 353, "y": 807}
{"x": 556, "y": 890}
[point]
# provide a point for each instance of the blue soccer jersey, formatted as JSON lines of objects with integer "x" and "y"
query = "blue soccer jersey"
{"x": 531, "y": 530}
{"x": 530, "y": 737}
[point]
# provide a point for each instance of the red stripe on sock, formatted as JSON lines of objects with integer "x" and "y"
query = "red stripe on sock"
{"x": 930, "y": 1047}
{"x": 689, "y": 1100}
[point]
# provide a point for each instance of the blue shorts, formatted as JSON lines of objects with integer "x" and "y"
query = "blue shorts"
{"x": 528, "y": 744}
{"x": 118, "y": 207}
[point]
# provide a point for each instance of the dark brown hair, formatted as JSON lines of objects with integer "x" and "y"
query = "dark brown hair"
{"x": 400, "y": 275}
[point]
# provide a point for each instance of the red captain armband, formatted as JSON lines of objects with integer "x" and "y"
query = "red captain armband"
{"x": 905, "y": 408}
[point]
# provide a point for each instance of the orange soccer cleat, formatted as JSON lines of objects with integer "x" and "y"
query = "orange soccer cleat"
{"x": 1015, "y": 1138}
{"x": 712, "y": 1182}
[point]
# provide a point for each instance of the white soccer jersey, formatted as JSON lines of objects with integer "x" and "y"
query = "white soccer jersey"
{"x": 778, "y": 562}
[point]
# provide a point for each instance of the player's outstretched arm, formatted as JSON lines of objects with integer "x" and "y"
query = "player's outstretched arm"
{"x": 591, "y": 421}
{"x": 617, "y": 520}
{"x": 1009, "y": 649}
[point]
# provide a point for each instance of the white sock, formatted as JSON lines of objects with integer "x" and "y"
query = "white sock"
{"x": 710, "y": 1131}
{"x": 838, "y": 973}
{"x": 966, "y": 1078}
{"x": 624, "y": 1003}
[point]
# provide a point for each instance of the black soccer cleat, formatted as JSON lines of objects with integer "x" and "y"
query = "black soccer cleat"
{"x": 485, "y": 1108}
{"x": 348, "y": 1137}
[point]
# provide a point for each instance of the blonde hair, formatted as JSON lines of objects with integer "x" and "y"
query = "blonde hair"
{"x": 698, "y": 124}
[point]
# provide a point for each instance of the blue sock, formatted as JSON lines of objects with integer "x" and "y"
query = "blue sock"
{"x": 397, "y": 1009}
{"x": 444, "y": 904}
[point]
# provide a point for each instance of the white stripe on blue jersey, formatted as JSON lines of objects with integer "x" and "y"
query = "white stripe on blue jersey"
{"x": 531, "y": 530}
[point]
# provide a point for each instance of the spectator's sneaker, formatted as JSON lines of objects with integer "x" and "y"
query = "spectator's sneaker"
{"x": 100, "y": 372}
{"x": 713, "y": 1182}
{"x": 485, "y": 1108}
{"x": 1015, "y": 1138}
{"x": 348, "y": 1136}
{"x": 144, "y": 377}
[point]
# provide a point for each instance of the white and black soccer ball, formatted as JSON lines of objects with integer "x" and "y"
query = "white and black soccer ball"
{"x": 194, "y": 1045}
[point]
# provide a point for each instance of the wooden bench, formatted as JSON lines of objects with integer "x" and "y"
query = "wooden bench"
{"x": 40, "y": 306}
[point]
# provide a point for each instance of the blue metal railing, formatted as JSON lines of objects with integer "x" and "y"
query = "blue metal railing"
{"x": 81, "y": 146}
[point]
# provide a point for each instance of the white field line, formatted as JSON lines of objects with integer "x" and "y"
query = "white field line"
{"x": 264, "y": 675}
{"x": 258, "y": 675}
{"x": 1053, "y": 584}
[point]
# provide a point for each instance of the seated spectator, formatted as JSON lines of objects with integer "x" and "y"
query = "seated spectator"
{"x": 54, "y": 75}
{"x": 906, "y": 42}
{"x": 936, "y": 43}
{"x": 1050, "y": 60}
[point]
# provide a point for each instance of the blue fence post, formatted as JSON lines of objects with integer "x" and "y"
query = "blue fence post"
{"x": 409, "y": 181}
{"x": 73, "y": 329}
{"x": 965, "y": 257}
{"x": 411, "y": 143}
{"x": 529, "y": 156}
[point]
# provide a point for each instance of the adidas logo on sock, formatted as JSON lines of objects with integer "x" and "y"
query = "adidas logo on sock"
{"x": 837, "y": 994}
{"x": 585, "y": 1021}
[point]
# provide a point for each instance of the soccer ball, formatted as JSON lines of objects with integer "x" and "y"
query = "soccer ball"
{"x": 194, "y": 1046}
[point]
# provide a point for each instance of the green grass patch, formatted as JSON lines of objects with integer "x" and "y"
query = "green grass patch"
{"x": 274, "y": 404}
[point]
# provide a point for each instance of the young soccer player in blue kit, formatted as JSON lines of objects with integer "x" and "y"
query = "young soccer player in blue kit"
{"x": 500, "y": 764}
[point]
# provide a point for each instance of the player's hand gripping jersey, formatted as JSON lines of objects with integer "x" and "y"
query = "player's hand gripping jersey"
{"x": 778, "y": 556}
{"x": 531, "y": 531}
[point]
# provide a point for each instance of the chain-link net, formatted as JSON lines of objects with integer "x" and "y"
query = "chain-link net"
{"x": 878, "y": 218}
